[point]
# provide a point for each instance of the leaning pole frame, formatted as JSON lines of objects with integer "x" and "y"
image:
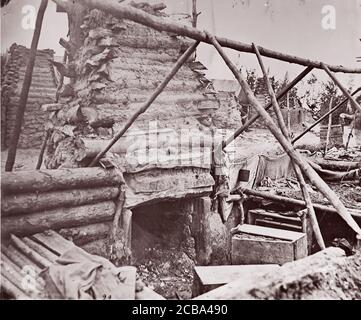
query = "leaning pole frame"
{"x": 136, "y": 15}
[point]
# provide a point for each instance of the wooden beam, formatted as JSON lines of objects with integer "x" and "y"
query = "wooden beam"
{"x": 127, "y": 12}
{"x": 287, "y": 146}
{"x": 183, "y": 58}
{"x": 298, "y": 172}
{"x": 55, "y": 180}
{"x": 292, "y": 202}
{"x": 25, "y": 88}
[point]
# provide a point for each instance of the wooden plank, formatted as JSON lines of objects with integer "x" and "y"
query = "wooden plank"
{"x": 247, "y": 251}
{"x": 18, "y": 258}
{"x": 218, "y": 275}
{"x": 50, "y": 240}
{"x": 44, "y": 252}
{"x": 270, "y": 232}
{"x": 148, "y": 294}
{"x": 11, "y": 289}
{"x": 11, "y": 271}
{"x": 301, "y": 248}
{"x": 26, "y": 250}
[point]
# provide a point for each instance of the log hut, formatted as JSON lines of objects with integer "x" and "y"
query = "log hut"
{"x": 159, "y": 174}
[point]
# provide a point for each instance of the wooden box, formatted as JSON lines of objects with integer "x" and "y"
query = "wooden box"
{"x": 207, "y": 278}
{"x": 263, "y": 245}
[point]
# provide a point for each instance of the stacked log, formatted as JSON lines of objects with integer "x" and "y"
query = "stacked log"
{"x": 79, "y": 203}
{"x": 42, "y": 90}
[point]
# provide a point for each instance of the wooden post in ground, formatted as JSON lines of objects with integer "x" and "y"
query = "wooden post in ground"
{"x": 183, "y": 58}
{"x": 287, "y": 146}
{"x": 329, "y": 126}
{"x": 194, "y": 13}
{"x": 42, "y": 149}
{"x": 25, "y": 89}
{"x": 298, "y": 172}
{"x": 288, "y": 113}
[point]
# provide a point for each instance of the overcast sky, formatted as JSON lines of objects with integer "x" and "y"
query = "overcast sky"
{"x": 290, "y": 26}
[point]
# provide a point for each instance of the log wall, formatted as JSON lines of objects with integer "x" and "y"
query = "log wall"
{"x": 118, "y": 67}
{"x": 78, "y": 203}
{"x": 42, "y": 90}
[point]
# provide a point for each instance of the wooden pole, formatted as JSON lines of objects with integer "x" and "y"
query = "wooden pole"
{"x": 287, "y": 146}
{"x": 42, "y": 149}
{"x": 301, "y": 180}
{"x": 25, "y": 88}
{"x": 183, "y": 58}
{"x": 329, "y": 125}
{"x": 128, "y": 12}
{"x": 342, "y": 88}
{"x": 324, "y": 116}
{"x": 288, "y": 114}
{"x": 254, "y": 118}
{"x": 194, "y": 13}
{"x": 292, "y": 202}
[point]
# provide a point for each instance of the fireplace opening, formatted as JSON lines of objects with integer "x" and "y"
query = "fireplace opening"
{"x": 163, "y": 248}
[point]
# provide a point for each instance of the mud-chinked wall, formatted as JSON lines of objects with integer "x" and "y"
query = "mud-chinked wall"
{"x": 42, "y": 91}
{"x": 118, "y": 67}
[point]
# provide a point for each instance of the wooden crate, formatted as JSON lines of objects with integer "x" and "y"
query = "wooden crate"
{"x": 262, "y": 245}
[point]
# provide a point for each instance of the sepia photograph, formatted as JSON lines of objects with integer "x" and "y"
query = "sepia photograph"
{"x": 180, "y": 154}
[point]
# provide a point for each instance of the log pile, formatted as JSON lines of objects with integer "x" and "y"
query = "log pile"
{"x": 42, "y": 90}
{"x": 24, "y": 258}
{"x": 79, "y": 203}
